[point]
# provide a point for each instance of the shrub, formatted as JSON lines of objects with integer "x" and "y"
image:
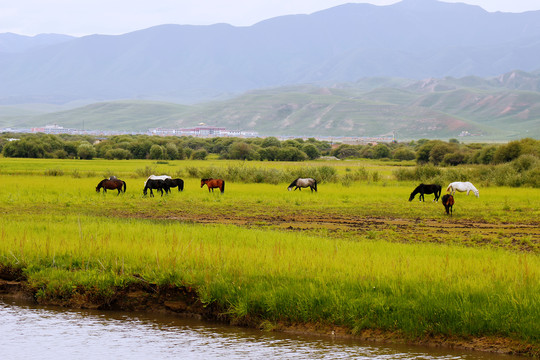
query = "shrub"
{"x": 199, "y": 154}
{"x": 156, "y": 152}
{"x": 86, "y": 151}
{"x": 54, "y": 172}
{"x": 404, "y": 154}
{"x": 146, "y": 172}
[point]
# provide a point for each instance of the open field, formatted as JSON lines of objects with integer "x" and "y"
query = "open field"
{"x": 358, "y": 257}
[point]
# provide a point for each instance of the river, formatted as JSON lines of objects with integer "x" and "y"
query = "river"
{"x": 29, "y": 331}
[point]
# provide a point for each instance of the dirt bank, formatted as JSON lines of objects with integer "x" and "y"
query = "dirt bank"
{"x": 182, "y": 301}
{"x": 514, "y": 236}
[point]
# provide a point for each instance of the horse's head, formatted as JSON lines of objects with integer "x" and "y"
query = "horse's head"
{"x": 412, "y": 196}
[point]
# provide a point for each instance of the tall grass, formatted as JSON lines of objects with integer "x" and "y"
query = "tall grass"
{"x": 274, "y": 276}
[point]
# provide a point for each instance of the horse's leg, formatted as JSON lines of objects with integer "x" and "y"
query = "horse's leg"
{"x": 421, "y": 197}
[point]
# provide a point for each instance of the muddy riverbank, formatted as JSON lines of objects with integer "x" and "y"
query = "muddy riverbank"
{"x": 184, "y": 302}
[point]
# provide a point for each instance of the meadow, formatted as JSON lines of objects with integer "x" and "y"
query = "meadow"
{"x": 356, "y": 255}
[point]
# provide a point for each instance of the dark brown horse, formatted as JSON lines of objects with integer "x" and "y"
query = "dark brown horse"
{"x": 448, "y": 202}
{"x": 111, "y": 184}
{"x": 213, "y": 183}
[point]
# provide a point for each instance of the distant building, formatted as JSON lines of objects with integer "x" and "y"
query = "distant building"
{"x": 203, "y": 131}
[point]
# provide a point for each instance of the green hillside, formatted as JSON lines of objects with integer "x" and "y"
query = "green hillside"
{"x": 429, "y": 109}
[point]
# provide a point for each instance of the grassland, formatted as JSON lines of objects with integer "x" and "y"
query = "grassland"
{"x": 358, "y": 258}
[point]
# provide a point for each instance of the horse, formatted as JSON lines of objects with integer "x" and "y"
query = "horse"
{"x": 462, "y": 187}
{"x": 448, "y": 202}
{"x": 213, "y": 183}
{"x": 157, "y": 177}
{"x": 300, "y": 183}
{"x": 155, "y": 184}
{"x": 426, "y": 189}
{"x": 174, "y": 183}
{"x": 111, "y": 184}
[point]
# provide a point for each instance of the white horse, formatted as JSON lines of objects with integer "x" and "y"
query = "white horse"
{"x": 157, "y": 177}
{"x": 303, "y": 183}
{"x": 462, "y": 187}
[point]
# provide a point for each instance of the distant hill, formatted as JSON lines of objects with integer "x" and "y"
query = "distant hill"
{"x": 13, "y": 43}
{"x": 498, "y": 108}
{"x": 413, "y": 39}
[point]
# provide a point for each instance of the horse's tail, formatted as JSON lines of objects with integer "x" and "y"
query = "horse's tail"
{"x": 181, "y": 185}
{"x": 315, "y": 184}
{"x": 438, "y": 192}
{"x": 124, "y": 185}
{"x": 222, "y": 188}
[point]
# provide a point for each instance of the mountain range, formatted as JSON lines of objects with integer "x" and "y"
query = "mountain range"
{"x": 353, "y": 69}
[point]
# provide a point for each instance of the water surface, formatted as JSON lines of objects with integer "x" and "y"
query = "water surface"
{"x": 28, "y": 331}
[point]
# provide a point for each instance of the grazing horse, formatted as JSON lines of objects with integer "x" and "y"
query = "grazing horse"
{"x": 448, "y": 202}
{"x": 462, "y": 187}
{"x": 213, "y": 183}
{"x": 426, "y": 189}
{"x": 155, "y": 184}
{"x": 157, "y": 177}
{"x": 174, "y": 183}
{"x": 111, "y": 184}
{"x": 300, "y": 183}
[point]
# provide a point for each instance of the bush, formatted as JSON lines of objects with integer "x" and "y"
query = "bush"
{"x": 156, "y": 152}
{"x": 86, "y": 151}
{"x": 146, "y": 172}
{"x": 199, "y": 154}
{"x": 119, "y": 154}
{"x": 404, "y": 154}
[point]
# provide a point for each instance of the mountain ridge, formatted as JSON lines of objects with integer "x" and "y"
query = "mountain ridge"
{"x": 497, "y": 108}
{"x": 189, "y": 63}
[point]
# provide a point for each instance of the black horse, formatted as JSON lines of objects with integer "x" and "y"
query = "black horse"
{"x": 448, "y": 202}
{"x": 426, "y": 189}
{"x": 159, "y": 185}
{"x": 170, "y": 183}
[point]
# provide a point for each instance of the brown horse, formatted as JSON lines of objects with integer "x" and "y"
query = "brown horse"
{"x": 111, "y": 184}
{"x": 214, "y": 183}
{"x": 448, "y": 202}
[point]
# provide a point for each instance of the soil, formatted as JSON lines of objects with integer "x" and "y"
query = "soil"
{"x": 515, "y": 236}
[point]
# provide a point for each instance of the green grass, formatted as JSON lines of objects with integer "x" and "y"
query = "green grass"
{"x": 71, "y": 242}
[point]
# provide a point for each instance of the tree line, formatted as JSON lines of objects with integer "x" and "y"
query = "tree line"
{"x": 424, "y": 151}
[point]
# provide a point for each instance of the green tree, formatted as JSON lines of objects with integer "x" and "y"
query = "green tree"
{"x": 86, "y": 151}
{"x": 381, "y": 151}
{"x": 156, "y": 152}
{"x": 508, "y": 152}
{"x": 311, "y": 151}
{"x": 404, "y": 153}
{"x": 172, "y": 151}
{"x": 200, "y": 154}
{"x": 270, "y": 141}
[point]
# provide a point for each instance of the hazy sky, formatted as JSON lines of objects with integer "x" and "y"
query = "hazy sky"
{"x": 84, "y": 17}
